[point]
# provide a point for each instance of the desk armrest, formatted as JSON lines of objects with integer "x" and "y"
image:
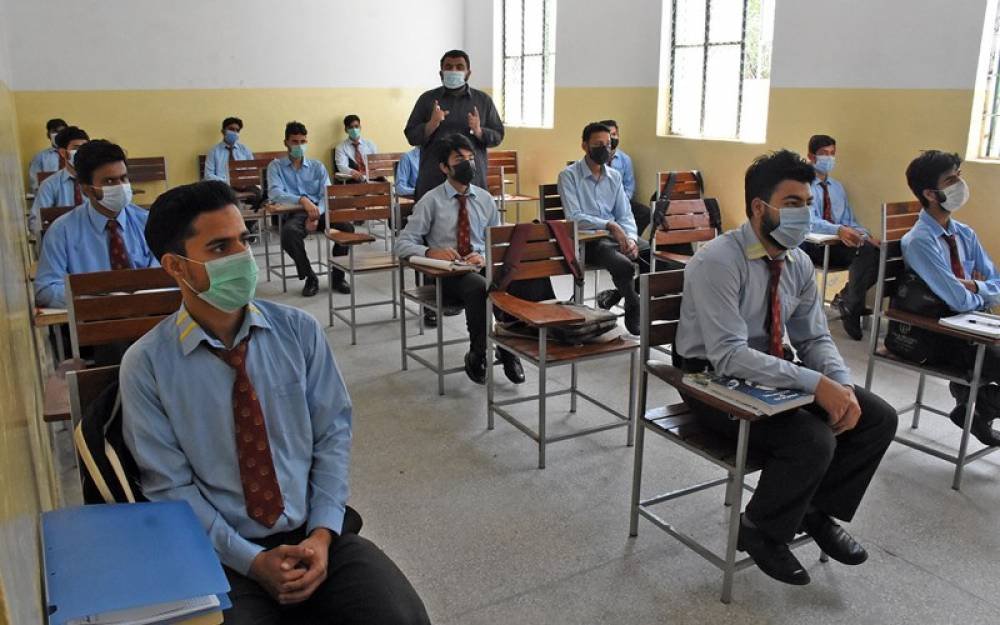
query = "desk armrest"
{"x": 348, "y": 238}
{"x": 933, "y": 325}
{"x": 534, "y": 313}
{"x": 682, "y": 259}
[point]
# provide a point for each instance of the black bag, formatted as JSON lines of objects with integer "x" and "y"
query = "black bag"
{"x": 108, "y": 471}
{"x": 916, "y": 344}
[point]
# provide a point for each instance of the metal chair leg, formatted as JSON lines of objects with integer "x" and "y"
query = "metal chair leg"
{"x": 919, "y": 403}
{"x": 970, "y": 412}
{"x": 439, "y": 311}
{"x": 632, "y": 416}
{"x": 826, "y": 271}
{"x": 739, "y": 472}
{"x": 572, "y": 387}
{"x": 542, "y": 340}
{"x": 640, "y": 440}
{"x": 489, "y": 380}
{"x": 402, "y": 318}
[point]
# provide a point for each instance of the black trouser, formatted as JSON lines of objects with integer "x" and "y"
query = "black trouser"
{"x": 362, "y": 586}
{"x": 471, "y": 289}
{"x": 961, "y": 355}
{"x": 805, "y": 464}
{"x": 293, "y": 242}
{"x": 642, "y": 215}
{"x": 862, "y": 265}
{"x": 605, "y": 253}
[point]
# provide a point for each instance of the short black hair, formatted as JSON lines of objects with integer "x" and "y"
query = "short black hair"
{"x": 232, "y": 120}
{"x": 818, "y": 142}
{"x": 455, "y": 54}
{"x": 350, "y": 119}
{"x": 55, "y": 124}
{"x": 769, "y": 170}
{"x": 172, "y": 214}
{"x": 593, "y": 127}
{"x": 610, "y": 123}
{"x": 295, "y": 128}
{"x": 453, "y": 143}
{"x": 70, "y": 133}
{"x": 94, "y": 154}
{"x": 923, "y": 172}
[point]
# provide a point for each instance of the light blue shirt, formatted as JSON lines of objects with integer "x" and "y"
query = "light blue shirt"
{"x": 59, "y": 189}
{"x": 840, "y": 208}
{"x": 434, "y": 222}
{"x": 725, "y": 305}
{"x": 77, "y": 242}
{"x": 344, "y": 152}
{"x": 622, "y": 163}
{"x": 178, "y": 423}
{"x": 926, "y": 252}
{"x": 46, "y": 160}
{"x": 286, "y": 185}
{"x": 217, "y": 160}
{"x": 592, "y": 202}
{"x": 406, "y": 172}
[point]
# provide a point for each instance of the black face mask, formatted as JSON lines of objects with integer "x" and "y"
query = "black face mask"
{"x": 600, "y": 154}
{"x": 464, "y": 172}
{"x": 614, "y": 143}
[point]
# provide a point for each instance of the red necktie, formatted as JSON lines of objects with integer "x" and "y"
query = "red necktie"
{"x": 77, "y": 196}
{"x": 359, "y": 159}
{"x": 773, "y": 321}
{"x": 232, "y": 155}
{"x": 253, "y": 449}
{"x": 956, "y": 262}
{"x": 463, "y": 235}
{"x": 116, "y": 246}
{"x": 827, "y": 210}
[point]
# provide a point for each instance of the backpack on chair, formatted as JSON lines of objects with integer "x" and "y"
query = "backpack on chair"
{"x": 108, "y": 472}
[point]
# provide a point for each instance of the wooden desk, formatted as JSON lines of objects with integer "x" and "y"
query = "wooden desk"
{"x": 583, "y": 236}
{"x": 929, "y": 323}
{"x": 674, "y": 377}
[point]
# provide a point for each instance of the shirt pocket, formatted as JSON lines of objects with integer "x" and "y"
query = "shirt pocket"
{"x": 286, "y": 410}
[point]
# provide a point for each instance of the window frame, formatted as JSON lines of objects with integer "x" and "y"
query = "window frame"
{"x": 988, "y": 117}
{"x": 547, "y": 56}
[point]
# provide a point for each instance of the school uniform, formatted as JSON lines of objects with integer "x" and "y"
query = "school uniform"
{"x": 59, "y": 189}
{"x": 218, "y": 158}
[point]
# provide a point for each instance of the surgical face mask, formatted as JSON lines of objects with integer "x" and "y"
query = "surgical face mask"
{"x": 824, "y": 163}
{"x": 452, "y": 79}
{"x": 232, "y": 281}
{"x": 298, "y": 151}
{"x": 116, "y": 197}
{"x": 955, "y": 196}
{"x": 600, "y": 154}
{"x": 792, "y": 226}
{"x": 354, "y": 133}
{"x": 231, "y": 137}
{"x": 614, "y": 143}
{"x": 464, "y": 172}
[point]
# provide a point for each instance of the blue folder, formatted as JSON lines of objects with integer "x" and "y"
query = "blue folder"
{"x": 103, "y": 558}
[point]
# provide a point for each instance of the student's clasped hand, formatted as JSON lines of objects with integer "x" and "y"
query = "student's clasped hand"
{"x": 314, "y": 559}
{"x": 839, "y": 403}
{"x": 275, "y": 568}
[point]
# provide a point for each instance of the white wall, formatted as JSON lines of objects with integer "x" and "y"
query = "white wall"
{"x": 5, "y": 60}
{"x": 177, "y": 44}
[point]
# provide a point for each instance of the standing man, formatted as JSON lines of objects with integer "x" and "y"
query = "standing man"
{"x": 351, "y": 155}
{"x": 62, "y": 187}
{"x": 229, "y": 149}
{"x": 622, "y": 163}
{"x": 455, "y": 107}
{"x": 830, "y": 213}
{"x": 47, "y": 159}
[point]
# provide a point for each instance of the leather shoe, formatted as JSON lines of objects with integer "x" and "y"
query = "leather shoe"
{"x": 851, "y": 321}
{"x": 511, "y": 366}
{"x": 311, "y": 288}
{"x": 475, "y": 367}
{"x": 632, "y": 319}
{"x": 833, "y": 539}
{"x": 342, "y": 287}
{"x": 981, "y": 427}
{"x": 430, "y": 319}
{"x": 608, "y": 298}
{"x": 773, "y": 558}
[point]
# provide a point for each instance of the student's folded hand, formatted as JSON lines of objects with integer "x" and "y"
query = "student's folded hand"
{"x": 851, "y": 237}
{"x": 276, "y": 567}
{"x": 316, "y": 557}
{"x": 839, "y": 403}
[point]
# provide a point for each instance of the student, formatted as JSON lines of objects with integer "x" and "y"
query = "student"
{"x": 947, "y": 256}
{"x": 406, "y": 173}
{"x": 830, "y": 213}
{"x": 434, "y": 230}
{"x": 229, "y": 149}
{"x": 351, "y": 154}
{"x": 61, "y": 188}
{"x": 303, "y": 181}
{"x": 593, "y": 196}
{"x": 622, "y": 163}
{"x": 104, "y": 232}
{"x": 264, "y": 466}
{"x": 47, "y": 159}
{"x": 455, "y": 107}
{"x": 742, "y": 292}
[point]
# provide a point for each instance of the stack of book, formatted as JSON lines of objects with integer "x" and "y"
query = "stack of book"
{"x": 756, "y": 398}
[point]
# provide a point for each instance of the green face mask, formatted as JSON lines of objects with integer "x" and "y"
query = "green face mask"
{"x": 298, "y": 151}
{"x": 354, "y": 133}
{"x": 232, "y": 281}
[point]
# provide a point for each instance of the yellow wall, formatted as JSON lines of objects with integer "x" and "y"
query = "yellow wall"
{"x": 24, "y": 463}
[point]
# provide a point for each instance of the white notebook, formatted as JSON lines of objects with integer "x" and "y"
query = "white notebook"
{"x": 147, "y": 615}
{"x": 444, "y": 265}
{"x": 975, "y": 322}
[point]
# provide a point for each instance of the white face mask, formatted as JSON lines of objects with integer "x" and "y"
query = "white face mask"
{"x": 116, "y": 197}
{"x": 452, "y": 79}
{"x": 955, "y": 196}
{"x": 825, "y": 163}
{"x": 72, "y": 157}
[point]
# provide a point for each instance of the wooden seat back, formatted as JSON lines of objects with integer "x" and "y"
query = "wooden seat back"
{"x": 85, "y": 385}
{"x": 550, "y": 203}
{"x": 244, "y": 174}
{"x": 684, "y": 221}
{"x": 147, "y": 169}
{"x": 898, "y": 218}
{"x": 542, "y": 257}
{"x": 383, "y": 164}
{"x": 42, "y": 175}
{"x": 347, "y": 203}
{"x": 49, "y": 214}
{"x": 659, "y": 307}
{"x": 682, "y": 185}
{"x": 502, "y": 168}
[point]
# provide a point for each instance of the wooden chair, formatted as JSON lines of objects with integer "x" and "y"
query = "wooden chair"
{"x": 383, "y": 164}
{"x": 660, "y": 306}
{"x": 48, "y": 215}
{"x": 352, "y": 203}
{"x": 543, "y": 259}
{"x": 680, "y": 222}
{"x": 147, "y": 169}
{"x": 679, "y": 185}
{"x": 503, "y": 170}
{"x": 897, "y": 219}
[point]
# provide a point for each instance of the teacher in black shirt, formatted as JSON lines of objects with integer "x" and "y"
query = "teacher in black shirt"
{"x": 455, "y": 107}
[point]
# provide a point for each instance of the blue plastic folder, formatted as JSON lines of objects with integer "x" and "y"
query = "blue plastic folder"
{"x": 103, "y": 558}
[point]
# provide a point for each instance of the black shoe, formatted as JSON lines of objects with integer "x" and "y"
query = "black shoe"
{"x": 851, "y": 321}
{"x": 475, "y": 367}
{"x": 632, "y": 319}
{"x": 430, "y": 319}
{"x": 607, "y": 299}
{"x": 773, "y": 558}
{"x": 981, "y": 426}
{"x": 511, "y": 366}
{"x": 833, "y": 539}
{"x": 311, "y": 288}
{"x": 342, "y": 287}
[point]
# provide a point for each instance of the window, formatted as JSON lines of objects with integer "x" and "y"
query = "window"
{"x": 987, "y": 143}
{"x": 716, "y": 68}
{"x": 527, "y": 55}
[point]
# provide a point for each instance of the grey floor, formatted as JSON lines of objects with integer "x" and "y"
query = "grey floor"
{"x": 486, "y": 537}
